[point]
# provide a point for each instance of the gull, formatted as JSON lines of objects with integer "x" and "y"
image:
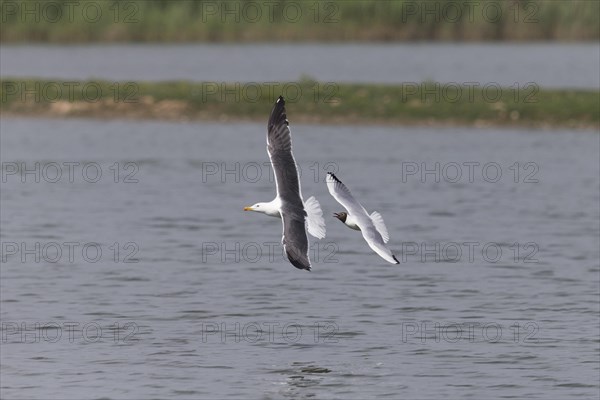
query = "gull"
{"x": 372, "y": 226}
{"x": 296, "y": 215}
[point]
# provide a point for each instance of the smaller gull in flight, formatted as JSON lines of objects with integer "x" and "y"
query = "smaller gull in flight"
{"x": 296, "y": 215}
{"x": 372, "y": 226}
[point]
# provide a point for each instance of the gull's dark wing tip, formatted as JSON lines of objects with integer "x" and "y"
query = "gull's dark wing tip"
{"x": 300, "y": 264}
{"x": 278, "y": 116}
{"x": 395, "y": 259}
{"x": 334, "y": 177}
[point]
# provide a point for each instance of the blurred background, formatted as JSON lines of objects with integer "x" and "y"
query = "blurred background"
{"x": 440, "y": 62}
{"x": 285, "y": 21}
{"x": 132, "y": 134}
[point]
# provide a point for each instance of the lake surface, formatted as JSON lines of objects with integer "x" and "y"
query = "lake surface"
{"x": 212, "y": 310}
{"x": 553, "y": 65}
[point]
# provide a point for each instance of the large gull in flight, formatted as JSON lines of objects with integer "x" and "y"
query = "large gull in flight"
{"x": 372, "y": 226}
{"x": 297, "y": 216}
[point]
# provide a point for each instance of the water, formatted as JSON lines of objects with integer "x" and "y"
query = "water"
{"x": 354, "y": 327}
{"x": 549, "y": 65}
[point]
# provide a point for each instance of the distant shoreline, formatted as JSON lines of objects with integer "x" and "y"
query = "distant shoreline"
{"x": 425, "y": 104}
{"x": 240, "y": 21}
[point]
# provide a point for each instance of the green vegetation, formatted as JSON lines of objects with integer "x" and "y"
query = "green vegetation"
{"x": 427, "y": 103}
{"x": 63, "y": 21}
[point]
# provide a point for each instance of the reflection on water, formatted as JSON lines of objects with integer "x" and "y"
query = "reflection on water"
{"x": 198, "y": 317}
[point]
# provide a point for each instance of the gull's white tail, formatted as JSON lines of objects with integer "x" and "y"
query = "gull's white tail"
{"x": 314, "y": 220}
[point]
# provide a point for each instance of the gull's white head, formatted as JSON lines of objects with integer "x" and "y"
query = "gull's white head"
{"x": 258, "y": 207}
{"x": 264, "y": 208}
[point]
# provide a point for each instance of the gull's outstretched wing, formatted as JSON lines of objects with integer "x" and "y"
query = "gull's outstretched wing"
{"x": 380, "y": 226}
{"x": 342, "y": 194}
{"x": 376, "y": 242}
{"x": 293, "y": 215}
{"x": 374, "y": 239}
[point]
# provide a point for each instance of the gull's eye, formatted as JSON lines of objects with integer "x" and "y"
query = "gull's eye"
{"x": 257, "y": 206}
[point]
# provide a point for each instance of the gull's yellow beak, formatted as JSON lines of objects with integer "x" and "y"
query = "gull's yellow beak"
{"x": 248, "y": 209}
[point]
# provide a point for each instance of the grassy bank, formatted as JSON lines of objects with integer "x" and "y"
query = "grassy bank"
{"x": 428, "y": 103}
{"x": 65, "y": 21}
